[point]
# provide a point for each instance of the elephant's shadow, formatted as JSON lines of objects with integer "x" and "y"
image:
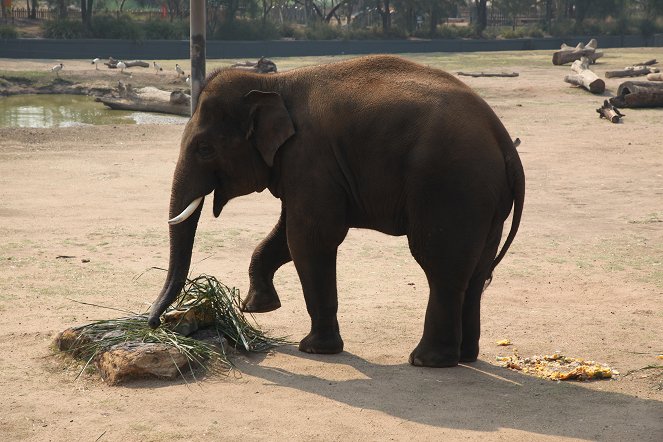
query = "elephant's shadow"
{"x": 478, "y": 397}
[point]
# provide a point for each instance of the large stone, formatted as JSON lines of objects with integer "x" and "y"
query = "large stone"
{"x": 134, "y": 360}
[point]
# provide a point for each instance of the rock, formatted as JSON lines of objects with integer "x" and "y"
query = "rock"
{"x": 134, "y": 360}
{"x": 71, "y": 340}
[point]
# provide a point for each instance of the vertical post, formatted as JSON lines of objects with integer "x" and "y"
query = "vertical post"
{"x": 197, "y": 48}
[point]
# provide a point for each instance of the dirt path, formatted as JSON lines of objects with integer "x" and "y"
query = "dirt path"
{"x": 584, "y": 277}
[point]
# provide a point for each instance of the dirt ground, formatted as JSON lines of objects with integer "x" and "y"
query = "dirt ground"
{"x": 584, "y": 277}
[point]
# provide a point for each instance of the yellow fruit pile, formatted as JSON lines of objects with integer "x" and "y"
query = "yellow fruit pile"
{"x": 558, "y": 367}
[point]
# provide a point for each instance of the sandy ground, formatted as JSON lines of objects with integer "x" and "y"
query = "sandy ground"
{"x": 584, "y": 277}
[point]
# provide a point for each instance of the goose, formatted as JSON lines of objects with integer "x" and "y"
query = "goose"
{"x": 188, "y": 80}
{"x": 121, "y": 66}
{"x": 95, "y": 62}
{"x": 157, "y": 67}
{"x": 179, "y": 70}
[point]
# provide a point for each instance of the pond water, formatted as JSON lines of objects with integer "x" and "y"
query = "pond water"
{"x": 62, "y": 110}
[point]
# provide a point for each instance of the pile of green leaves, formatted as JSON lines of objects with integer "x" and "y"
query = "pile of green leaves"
{"x": 204, "y": 293}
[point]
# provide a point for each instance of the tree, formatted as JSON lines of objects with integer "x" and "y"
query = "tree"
{"x": 384, "y": 9}
{"x": 482, "y": 16}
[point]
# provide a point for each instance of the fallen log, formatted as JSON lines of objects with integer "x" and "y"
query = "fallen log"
{"x": 567, "y": 54}
{"x": 262, "y": 66}
{"x": 637, "y": 70}
{"x": 655, "y": 77}
{"x": 584, "y": 77}
{"x": 489, "y": 74}
{"x": 112, "y": 63}
{"x": 149, "y": 99}
{"x": 639, "y": 94}
{"x": 609, "y": 112}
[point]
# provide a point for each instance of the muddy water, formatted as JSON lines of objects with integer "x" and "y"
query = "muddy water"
{"x": 70, "y": 110}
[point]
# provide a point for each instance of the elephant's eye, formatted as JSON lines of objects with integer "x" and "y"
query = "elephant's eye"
{"x": 205, "y": 151}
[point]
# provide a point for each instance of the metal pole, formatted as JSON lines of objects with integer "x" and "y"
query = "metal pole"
{"x": 197, "y": 48}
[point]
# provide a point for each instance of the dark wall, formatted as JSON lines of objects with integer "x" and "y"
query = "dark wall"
{"x": 179, "y": 49}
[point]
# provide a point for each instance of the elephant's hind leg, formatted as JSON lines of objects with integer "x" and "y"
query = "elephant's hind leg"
{"x": 471, "y": 325}
{"x": 270, "y": 254}
{"x": 448, "y": 250}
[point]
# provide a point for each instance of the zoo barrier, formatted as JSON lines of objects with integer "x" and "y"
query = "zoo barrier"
{"x": 179, "y": 49}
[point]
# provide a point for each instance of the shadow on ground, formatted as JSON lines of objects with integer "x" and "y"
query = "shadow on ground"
{"x": 478, "y": 396}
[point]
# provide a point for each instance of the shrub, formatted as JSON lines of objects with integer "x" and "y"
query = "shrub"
{"x": 63, "y": 29}
{"x": 247, "y": 30}
{"x": 122, "y": 27}
{"x": 165, "y": 30}
{"x": 562, "y": 28}
{"x": 8, "y": 31}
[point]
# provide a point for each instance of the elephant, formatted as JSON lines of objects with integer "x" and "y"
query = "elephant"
{"x": 376, "y": 142}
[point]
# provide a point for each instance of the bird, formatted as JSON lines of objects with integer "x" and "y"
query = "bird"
{"x": 57, "y": 68}
{"x": 179, "y": 70}
{"x": 157, "y": 67}
{"x": 188, "y": 80}
{"x": 121, "y": 65}
{"x": 95, "y": 62}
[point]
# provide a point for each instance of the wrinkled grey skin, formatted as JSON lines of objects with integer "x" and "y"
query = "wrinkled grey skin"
{"x": 376, "y": 142}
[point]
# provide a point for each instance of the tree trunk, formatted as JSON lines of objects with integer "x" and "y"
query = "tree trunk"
{"x": 567, "y": 54}
{"x": 482, "y": 16}
{"x": 585, "y": 77}
{"x": 639, "y": 94}
{"x": 637, "y": 70}
{"x": 609, "y": 112}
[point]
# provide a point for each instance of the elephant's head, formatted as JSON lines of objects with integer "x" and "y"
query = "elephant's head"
{"x": 228, "y": 148}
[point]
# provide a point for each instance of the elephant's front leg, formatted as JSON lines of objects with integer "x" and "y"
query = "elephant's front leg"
{"x": 271, "y": 253}
{"x": 313, "y": 244}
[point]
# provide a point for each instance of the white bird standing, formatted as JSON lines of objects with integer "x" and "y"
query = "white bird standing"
{"x": 179, "y": 70}
{"x": 57, "y": 68}
{"x": 157, "y": 67}
{"x": 95, "y": 62}
{"x": 121, "y": 66}
{"x": 188, "y": 80}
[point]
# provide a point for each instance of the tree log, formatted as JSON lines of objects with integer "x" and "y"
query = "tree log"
{"x": 639, "y": 94}
{"x": 585, "y": 77}
{"x": 262, "y": 66}
{"x": 149, "y": 99}
{"x": 112, "y": 63}
{"x": 568, "y": 54}
{"x": 489, "y": 74}
{"x": 655, "y": 77}
{"x": 636, "y": 70}
{"x": 609, "y": 112}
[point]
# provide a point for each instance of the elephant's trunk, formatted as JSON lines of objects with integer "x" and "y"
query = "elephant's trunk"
{"x": 181, "y": 245}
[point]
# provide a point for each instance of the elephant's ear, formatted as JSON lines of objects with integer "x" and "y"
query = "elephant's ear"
{"x": 270, "y": 124}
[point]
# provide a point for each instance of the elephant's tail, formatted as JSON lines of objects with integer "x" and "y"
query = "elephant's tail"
{"x": 516, "y": 179}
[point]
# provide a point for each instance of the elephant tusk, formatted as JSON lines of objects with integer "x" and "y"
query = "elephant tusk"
{"x": 186, "y": 213}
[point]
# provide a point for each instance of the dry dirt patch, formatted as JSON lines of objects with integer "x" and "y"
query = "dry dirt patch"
{"x": 584, "y": 277}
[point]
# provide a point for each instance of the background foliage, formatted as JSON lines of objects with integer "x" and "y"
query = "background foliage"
{"x": 347, "y": 19}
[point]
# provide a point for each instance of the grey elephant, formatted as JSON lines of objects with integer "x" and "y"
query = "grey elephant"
{"x": 377, "y": 142}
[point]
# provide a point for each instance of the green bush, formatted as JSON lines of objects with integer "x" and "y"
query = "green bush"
{"x": 63, "y": 29}
{"x": 322, "y": 31}
{"x": 122, "y": 27}
{"x": 562, "y": 28}
{"x": 247, "y": 30}
{"x": 8, "y": 31}
{"x": 165, "y": 30}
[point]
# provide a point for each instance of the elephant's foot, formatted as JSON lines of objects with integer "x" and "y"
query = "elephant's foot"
{"x": 260, "y": 301}
{"x": 424, "y": 356}
{"x": 322, "y": 344}
{"x": 469, "y": 352}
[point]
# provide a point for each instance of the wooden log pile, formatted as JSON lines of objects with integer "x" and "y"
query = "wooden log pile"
{"x": 638, "y": 70}
{"x": 585, "y": 77}
{"x": 567, "y": 54}
{"x": 635, "y": 94}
